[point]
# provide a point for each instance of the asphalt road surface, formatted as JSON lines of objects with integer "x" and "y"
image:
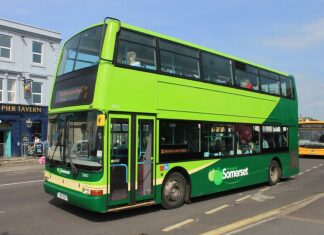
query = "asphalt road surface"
{"x": 294, "y": 206}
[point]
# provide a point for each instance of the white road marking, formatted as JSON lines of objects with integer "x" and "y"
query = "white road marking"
{"x": 178, "y": 225}
{"x": 320, "y": 164}
{"x": 216, "y": 209}
{"x": 243, "y": 198}
{"x": 301, "y": 173}
{"x": 308, "y": 170}
{"x": 25, "y": 182}
{"x": 314, "y": 167}
{"x": 260, "y": 197}
{"x": 241, "y": 225}
{"x": 265, "y": 189}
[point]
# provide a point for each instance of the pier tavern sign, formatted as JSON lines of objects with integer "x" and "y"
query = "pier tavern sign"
{"x": 20, "y": 108}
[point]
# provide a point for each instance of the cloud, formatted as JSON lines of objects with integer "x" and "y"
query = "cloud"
{"x": 299, "y": 37}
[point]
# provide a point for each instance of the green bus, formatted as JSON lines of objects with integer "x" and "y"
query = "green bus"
{"x": 139, "y": 118}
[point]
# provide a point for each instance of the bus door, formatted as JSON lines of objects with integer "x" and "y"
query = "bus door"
{"x": 145, "y": 152}
{"x": 131, "y": 155}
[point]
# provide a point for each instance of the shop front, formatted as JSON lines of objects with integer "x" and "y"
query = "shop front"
{"x": 20, "y": 127}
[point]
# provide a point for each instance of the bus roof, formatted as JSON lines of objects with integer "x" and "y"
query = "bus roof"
{"x": 310, "y": 122}
{"x": 173, "y": 39}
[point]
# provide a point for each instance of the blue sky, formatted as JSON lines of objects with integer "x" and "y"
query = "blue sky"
{"x": 287, "y": 35}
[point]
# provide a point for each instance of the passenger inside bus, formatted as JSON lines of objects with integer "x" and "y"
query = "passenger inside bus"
{"x": 131, "y": 58}
{"x": 247, "y": 84}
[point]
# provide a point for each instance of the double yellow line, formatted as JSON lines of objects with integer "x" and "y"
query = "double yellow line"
{"x": 267, "y": 215}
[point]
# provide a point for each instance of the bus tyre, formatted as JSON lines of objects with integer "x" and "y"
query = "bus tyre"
{"x": 274, "y": 173}
{"x": 174, "y": 191}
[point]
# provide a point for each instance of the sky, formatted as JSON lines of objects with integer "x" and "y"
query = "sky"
{"x": 286, "y": 35}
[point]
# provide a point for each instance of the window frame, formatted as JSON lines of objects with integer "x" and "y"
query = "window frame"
{"x": 245, "y": 69}
{"x": 14, "y": 91}
{"x": 198, "y": 58}
{"x": 37, "y": 53}
{"x": 1, "y": 90}
{"x": 292, "y": 95}
{"x": 8, "y": 48}
{"x": 275, "y": 149}
{"x": 35, "y": 93}
{"x": 231, "y": 62}
{"x": 154, "y": 47}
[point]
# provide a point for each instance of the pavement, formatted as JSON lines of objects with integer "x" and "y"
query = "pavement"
{"x": 14, "y": 161}
{"x": 16, "y": 164}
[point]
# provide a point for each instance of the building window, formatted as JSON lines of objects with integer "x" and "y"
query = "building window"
{"x": 11, "y": 90}
{"x": 5, "y": 46}
{"x": 37, "y": 52}
{"x": 1, "y": 89}
{"x": 37, "y": 92}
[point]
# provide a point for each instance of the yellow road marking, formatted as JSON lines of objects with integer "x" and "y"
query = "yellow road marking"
{"x": 178, "y": 225}
{"x": 216, "y": 209}
{"x": 255, "y": 219}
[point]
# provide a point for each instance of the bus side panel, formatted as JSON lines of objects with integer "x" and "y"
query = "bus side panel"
{"x": 228, "y": 173}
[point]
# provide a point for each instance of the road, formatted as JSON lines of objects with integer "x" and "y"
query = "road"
{"x": 294, "y": 206}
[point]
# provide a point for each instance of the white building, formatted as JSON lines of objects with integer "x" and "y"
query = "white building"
{"x": 28, "y": 58}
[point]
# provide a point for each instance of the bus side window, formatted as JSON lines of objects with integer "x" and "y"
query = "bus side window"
{"x": 286, "y": 87}
{"x": 217, "y": 69}
{"x": 179, "y": 60}
{"x": 136, "y": 50}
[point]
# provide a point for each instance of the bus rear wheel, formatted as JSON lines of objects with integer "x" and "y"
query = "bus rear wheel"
{"x": 274, "y": 173}
{"x": 174, "y": 191}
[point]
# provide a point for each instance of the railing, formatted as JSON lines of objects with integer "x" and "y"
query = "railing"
{"x": 30, "y": 149}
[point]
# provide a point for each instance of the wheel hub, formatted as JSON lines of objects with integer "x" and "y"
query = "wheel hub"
{"x": 172, "y": 191}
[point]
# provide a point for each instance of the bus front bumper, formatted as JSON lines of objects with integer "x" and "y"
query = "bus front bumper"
{"x": 92, "y": 203}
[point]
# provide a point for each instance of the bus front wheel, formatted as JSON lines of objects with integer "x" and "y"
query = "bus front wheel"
{"x": 174, "y": 191}
{"x": 274, "y": 173}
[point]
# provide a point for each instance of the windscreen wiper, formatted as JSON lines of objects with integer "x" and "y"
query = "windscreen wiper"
{"x": 66, "y": 152}
{"x": 58, "y": 144}
{"x": 73, "y": 167}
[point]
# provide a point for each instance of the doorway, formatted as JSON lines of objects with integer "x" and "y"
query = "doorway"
{"x": 131, "y": 158}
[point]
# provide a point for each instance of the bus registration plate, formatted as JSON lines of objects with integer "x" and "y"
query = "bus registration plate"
{"x": 62, "y": 196}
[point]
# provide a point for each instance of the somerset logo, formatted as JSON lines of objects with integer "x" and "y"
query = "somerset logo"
{"x": 217, "y": 176}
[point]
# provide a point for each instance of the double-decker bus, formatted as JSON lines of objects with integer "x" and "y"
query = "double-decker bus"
{"x": 311, "y": 138}
{"x": 139, "y": 118}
